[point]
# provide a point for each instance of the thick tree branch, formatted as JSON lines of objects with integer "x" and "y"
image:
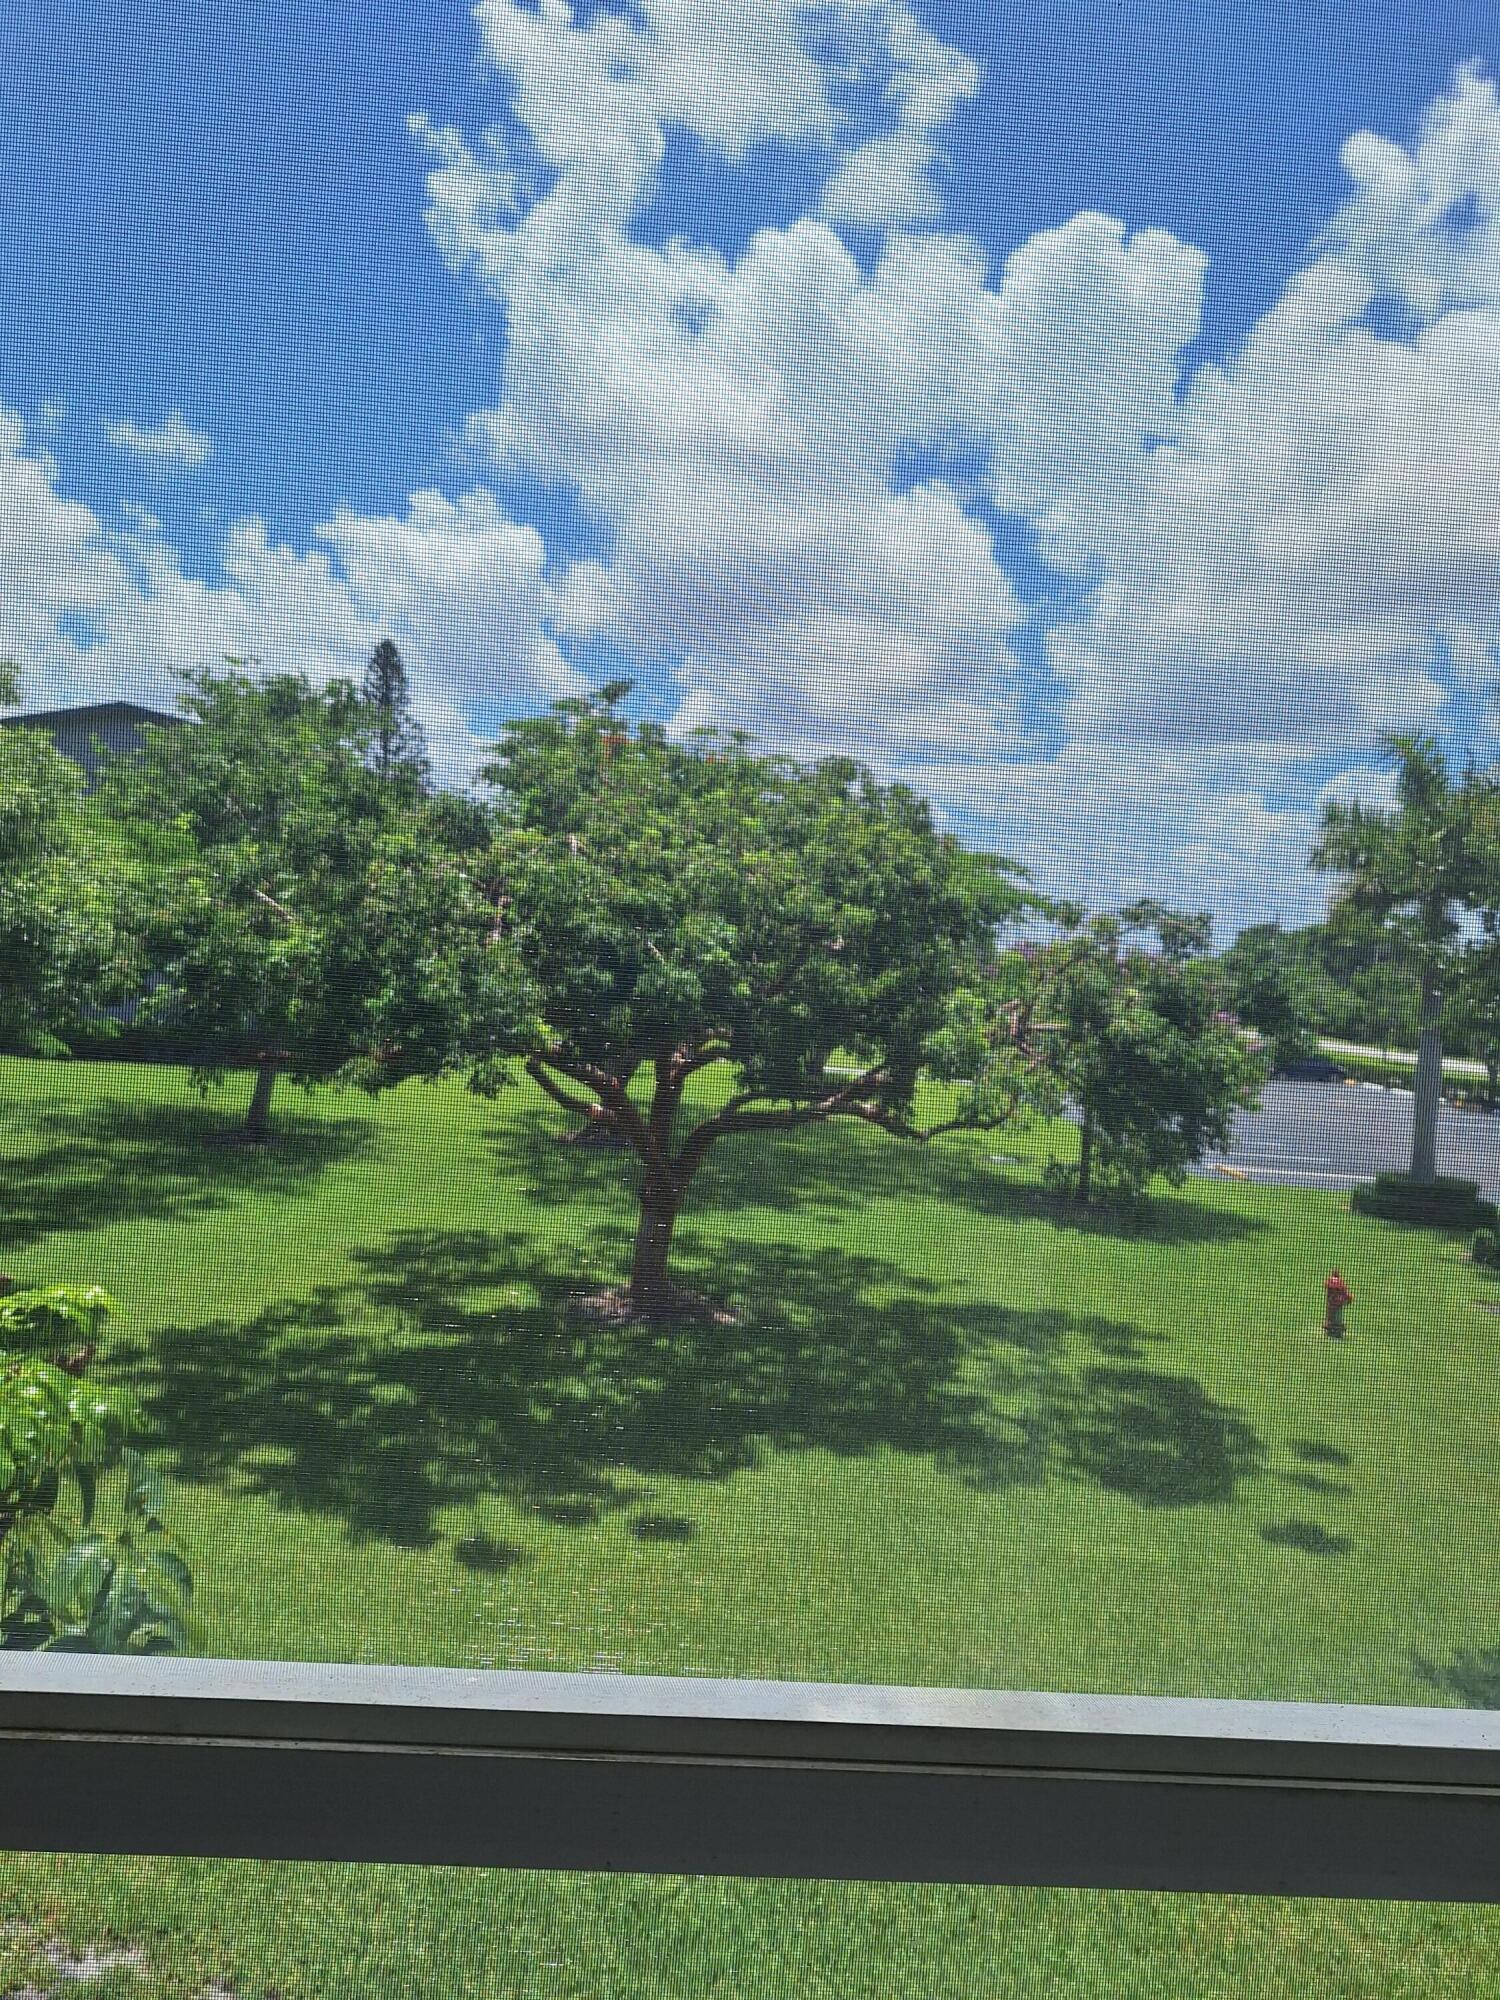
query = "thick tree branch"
{"x": 610, "y": 1104}
{"x": 628, "y": 1120}
{"x": 582, "y": 1107}
{"x": 923, "y": 1135}
{"x": 574, "y": 1067}
{"x": 664, "y": 1102}
{"x": 737, "y": 1116}
{"x": 287, "y": 916}
{"x": 687, "y": 1062}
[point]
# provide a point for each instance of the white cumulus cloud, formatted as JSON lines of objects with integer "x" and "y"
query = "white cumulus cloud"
{"x": 95, "y": 611}
{"x": 1309, "y": 552}
{"x": 172, "y": 442}
{"x": 806, "y": 469}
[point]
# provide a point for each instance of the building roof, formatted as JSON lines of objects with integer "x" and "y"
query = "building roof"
{"x": 86, "y": 711}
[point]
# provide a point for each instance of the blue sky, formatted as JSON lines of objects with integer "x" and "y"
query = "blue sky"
{"x": 627, "y": 352}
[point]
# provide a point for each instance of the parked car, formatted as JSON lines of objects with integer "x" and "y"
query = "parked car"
{"x": 1312, "y": 1069}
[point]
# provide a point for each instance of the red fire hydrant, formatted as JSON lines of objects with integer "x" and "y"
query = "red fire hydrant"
{"x": 1339, "y": 1298}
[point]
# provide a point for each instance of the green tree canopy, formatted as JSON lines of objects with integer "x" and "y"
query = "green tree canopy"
{"x": 1474, "y": 1008}
{"x": 799, "y": 939}
{"x": 59, "y": 948}
{"x": 1349, "y": 977}
{"x": 1474, "y": 993}
{"x": 302, "y": 916}
{"x": 1268, "y": 987}
{"x": 1413, "y": 871}
{"x": 1139, "y": 1043}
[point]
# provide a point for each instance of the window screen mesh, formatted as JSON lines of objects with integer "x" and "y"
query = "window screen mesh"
{"x": 750, "y": 902}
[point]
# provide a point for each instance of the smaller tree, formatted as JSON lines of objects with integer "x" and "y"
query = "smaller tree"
{"x": 1377, "y": 980}
{"x": 398, "y": 745}
{"x": 1137, "y": 1040}
{"x": 1264, "y": 992}
{"x": 312, "y": 920}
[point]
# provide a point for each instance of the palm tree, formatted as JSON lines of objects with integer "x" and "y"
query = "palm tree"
{"x": 1414, "y": 871}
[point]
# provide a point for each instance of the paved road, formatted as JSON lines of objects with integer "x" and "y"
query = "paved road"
{"x": 1334, "y": 1134}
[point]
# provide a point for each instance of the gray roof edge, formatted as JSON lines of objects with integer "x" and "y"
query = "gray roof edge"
{"x": 81, "y": 710}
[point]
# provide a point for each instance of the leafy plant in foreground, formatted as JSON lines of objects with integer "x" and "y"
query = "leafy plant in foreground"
{"x": 65, "y": 1584}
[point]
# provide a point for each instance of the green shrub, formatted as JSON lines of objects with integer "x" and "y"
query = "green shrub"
{"x": 1445, "y": 1203}
{"x": 1484, "y": 1248}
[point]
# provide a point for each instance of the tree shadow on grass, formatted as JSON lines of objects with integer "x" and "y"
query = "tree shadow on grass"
{"x": 1472, "y": 1678}
{"x": 1306, "y": 1537}
{"x": 1156, "y": 1439}
{"x": 838, "y": 1169}
{"x": 1164, "y": 1217}
{"x": 109, "y": 1162}
{"x": 663, "y": 1528}
{"x": 1314, "y": 1482}
{"x": 486, "y": 1556}
{"x": 1315, "y": 1451}
{"x": 450, "y": 1368}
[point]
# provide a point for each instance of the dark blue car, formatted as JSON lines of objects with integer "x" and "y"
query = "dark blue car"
{"x": 1312, "y": 1069}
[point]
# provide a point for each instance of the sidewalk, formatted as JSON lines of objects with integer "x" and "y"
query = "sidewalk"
{"x": 1452, "y": 1065}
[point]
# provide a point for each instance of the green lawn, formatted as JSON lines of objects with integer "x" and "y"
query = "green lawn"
{"x": 956, "y": 1436}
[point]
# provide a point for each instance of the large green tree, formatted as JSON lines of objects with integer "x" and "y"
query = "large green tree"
{"x": 1350, "y": 978}
{"x": 1413, "y": 871}
{"x": 1140, "y": 1045}
{"x": 59, "y": 956}
{"x": 728, "y": 946}
{"x": 302, "y": 917}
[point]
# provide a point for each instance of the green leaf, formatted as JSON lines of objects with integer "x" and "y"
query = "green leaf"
{"x": 146, "y": 1492}
{"x": 174, "y": 1569}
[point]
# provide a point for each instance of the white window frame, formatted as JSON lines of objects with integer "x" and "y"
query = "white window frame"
{"x": 638, "y": 1774}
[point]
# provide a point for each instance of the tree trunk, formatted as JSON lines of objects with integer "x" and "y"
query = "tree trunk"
{"x": 258, "y": 1117}
{"x": 597, "y": 1132}
{"x": 650, "y": 1286}
{"x": 1428, "y": 1089}
{"x": 1491, "y": 1081}
{"x": 1085, "y": 1160}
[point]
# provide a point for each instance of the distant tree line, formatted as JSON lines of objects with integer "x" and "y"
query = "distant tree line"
{"x": 686, "y": 944}
{"x": 1356, "y": 983}
{"x": 1348, "y": 981}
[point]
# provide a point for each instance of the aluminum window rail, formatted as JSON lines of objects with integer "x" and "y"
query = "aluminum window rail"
{"x": 649, "y": 1775}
